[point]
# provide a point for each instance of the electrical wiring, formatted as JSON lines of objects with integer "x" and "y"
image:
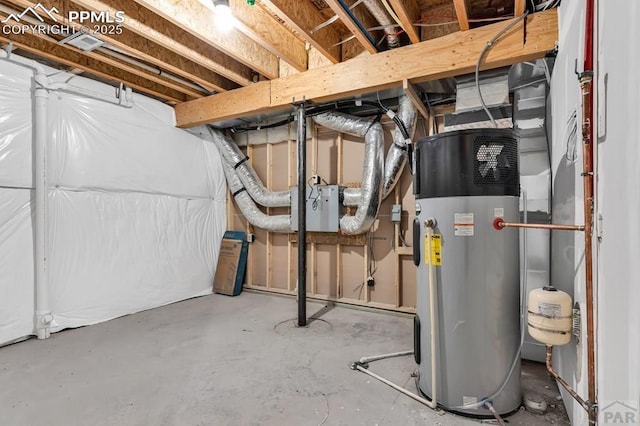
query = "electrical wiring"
{"x": 486, "y": 49}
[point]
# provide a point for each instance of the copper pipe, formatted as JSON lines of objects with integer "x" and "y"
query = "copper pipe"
{"x": 587, "y": 165}
{"x": 586, "y": 83}
{"x": 586, "y": 405}
{"x": 499, "y": 224}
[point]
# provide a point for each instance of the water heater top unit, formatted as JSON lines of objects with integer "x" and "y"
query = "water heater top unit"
{"x": 464, "y": 180}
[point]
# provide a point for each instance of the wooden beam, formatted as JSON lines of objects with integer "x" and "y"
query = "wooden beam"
{"x": 518, "y": 7}
{"x": 62, "y": 54}
{"x": 196, "y": 19}
{"x": 303, "y": 17}
{"x": 163, "y": 58}
{"x": 415, "y": 98}
{"x": 262, "y": 28}
{"x": 361, "y": 34}
{"x": 144, "y": 27}
{"x": 409, "y": 13}
{"x": 461, "y": 13}
{"x": 254, "y": 99}
{"x": 448, "y": 56}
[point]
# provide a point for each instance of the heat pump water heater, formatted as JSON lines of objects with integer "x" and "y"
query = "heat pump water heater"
{"x": 463, "y": 180}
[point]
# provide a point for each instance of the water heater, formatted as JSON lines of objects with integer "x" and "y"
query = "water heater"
{"x": 463, "y": 180}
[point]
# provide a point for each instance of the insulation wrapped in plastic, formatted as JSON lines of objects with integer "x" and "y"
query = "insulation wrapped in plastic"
{"x": 396, "y": 156}
{"x": 255, "y": 216}
{"x": 136, "y": 207}
{"x": 371, "y": 191}
{"x": 247, "y": 174}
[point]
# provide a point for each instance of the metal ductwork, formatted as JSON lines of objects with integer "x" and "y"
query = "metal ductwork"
{"x": 396, "y": 155}
{"x": 372, "y": 172}
{"x": 255, "y": 216}
{"x": 247, "y": 174}
{"x": 383, "y": 17}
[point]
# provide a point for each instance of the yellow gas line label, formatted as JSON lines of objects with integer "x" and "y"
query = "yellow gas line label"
{"x": 433, "y": 254}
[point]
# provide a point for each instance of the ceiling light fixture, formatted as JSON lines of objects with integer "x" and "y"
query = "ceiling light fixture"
{"x": 222, "y": 8}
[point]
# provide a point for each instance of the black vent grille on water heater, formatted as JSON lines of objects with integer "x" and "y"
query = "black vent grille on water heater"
{"x": 496, "y": 161}
{"x": 473, "y": 162}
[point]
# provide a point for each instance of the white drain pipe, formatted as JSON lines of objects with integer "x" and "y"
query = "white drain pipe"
{"x": 43, "y": 316}
{"x": 42, "y": 85}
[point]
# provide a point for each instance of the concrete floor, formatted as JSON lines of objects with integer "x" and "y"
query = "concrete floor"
{"x": 217, "y": 360}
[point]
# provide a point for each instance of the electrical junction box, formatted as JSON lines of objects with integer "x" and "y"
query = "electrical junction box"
{"x": 396, "y": 213}
{"x": 323, "y": 208}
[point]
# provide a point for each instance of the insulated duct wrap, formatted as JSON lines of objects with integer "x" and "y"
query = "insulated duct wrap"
{"x": 247, "y": 174}
{"x": 383, "y": 17}
{"x": 371, "y": 191}
{"x": 396, "y": 156}
{"x": 255, "y": 216}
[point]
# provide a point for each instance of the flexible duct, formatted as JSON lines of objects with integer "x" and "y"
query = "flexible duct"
{"x": 255, "y": 216}
{"x": 381, "y": 15}
{"x": 371, "y": 191}
{"x": 396, "y": 155}
{"x": 247, "y": 174}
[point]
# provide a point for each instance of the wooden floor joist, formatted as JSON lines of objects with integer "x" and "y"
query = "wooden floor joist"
{"x": 142, "y": 26}
{"x": 72, "y": 58}
{"x": 409, "y": 14}
{"x": 196, "y": 19}
{"x": 448, "y": 56}
{"x": 304, "y": 17}
{"x": 462, "y": 13}
{"x": 155, "y": 54}
{"x": 353, "y": 20}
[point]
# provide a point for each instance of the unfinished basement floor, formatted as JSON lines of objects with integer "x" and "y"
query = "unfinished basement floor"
{"x": 217, "y": 360}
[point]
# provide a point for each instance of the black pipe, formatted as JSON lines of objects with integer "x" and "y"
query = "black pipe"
{"x": 302, "y": 215}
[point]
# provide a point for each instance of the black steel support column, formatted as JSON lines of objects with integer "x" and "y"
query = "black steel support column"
{"x": 302, "y": 214}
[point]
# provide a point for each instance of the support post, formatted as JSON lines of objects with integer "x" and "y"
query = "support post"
{"x": 302, "y": 213}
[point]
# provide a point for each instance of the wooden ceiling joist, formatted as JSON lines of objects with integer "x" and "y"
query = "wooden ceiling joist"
{"x": 75, "y": 59}
{"x": 173, "y": 40}
{"x": 413, "y": 95}
{"x": 303, "y": 17}
{"x": 408, "y": 13}
{"x": 165, "y": 59}
{"x": 196, "y": 19}
{"x": 262, "y": 28}
{"x": 355, "y": 23}
{"x": 452, "y": 55}
{"x": 462, "y": 14}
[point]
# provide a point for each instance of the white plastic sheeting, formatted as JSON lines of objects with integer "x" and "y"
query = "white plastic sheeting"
{"x": 136, "y": 206}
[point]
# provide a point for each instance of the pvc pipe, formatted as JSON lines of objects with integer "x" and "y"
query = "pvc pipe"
{"x": 397, "y": 387}
{"x": 368, "y": 359}
{"x": 432, "y": 318}
{"x": 43, "y": 317}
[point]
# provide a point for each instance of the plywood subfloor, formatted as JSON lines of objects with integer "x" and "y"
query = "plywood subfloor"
{"x": 217, "y": 360}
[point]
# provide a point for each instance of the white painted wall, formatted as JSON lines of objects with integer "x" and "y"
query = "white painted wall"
{"x": 618, "y": 199}
{"x": 619, "y": 202}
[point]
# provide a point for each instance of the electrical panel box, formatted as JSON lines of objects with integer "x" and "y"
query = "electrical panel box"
{"x": 396, "y": 213}
{"x": 323, "y": 208}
